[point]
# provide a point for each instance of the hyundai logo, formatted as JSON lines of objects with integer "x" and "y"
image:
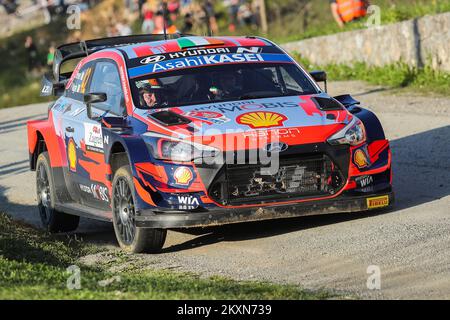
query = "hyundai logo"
{"x": 153, "y": 59}
{"x": 276, "y": 147}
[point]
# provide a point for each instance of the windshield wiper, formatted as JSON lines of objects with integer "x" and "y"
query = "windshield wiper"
{"x": 260, "y": 96}
{"x": 256, "y": 96}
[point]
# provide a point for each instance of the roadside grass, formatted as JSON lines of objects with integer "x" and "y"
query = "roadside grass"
{"x": 422, "y": 80}
{"x": 18, "y": 95}
{"x": 33, "y": 265}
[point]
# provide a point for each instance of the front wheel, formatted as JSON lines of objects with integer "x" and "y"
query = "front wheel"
{"x": 131, "y": 238}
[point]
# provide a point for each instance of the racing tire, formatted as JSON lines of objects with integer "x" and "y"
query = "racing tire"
{"x": 52, "y": 220}
{"x": 131, "y": 238}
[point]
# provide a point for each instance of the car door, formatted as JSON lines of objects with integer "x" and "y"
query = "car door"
{"x": 87, "y": 167}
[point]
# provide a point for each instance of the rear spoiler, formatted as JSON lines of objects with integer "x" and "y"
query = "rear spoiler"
{"x": 80, "y": 49}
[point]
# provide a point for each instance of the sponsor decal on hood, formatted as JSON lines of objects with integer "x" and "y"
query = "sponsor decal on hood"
{"x": 251, "y": 124}
{"x": 259, "y": 114}
{"x": 261, "y": 119}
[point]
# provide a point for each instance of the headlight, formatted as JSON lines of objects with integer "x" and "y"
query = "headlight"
{"x": 184, "y": 152}
{"x": 353, "y": 134}
{"x": 177, "y": 151}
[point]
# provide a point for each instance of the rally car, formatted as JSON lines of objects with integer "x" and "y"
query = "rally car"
{"x": 154, "y": 132}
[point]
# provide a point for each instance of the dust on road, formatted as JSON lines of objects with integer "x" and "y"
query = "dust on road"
{"x": 410, "y": 244}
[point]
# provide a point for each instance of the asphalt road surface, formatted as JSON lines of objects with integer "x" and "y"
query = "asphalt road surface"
{"x": 410, "y": 244}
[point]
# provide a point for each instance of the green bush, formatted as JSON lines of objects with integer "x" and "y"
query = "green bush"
{"x": 397, "y": 75}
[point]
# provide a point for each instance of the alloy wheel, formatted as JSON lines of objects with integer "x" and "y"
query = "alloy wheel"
{"x": 124, "y": 211}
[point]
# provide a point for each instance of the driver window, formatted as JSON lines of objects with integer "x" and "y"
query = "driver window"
{"x": 106, "y": 79}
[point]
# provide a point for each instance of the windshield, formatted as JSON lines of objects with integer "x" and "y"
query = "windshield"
{"x": 220, "y": 83}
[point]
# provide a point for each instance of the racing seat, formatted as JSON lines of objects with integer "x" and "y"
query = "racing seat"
{"x": 186, "y": 88}
{"x": 259, "y": 80}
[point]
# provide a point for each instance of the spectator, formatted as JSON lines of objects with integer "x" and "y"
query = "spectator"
{"x": 159, "y": 22}
{"x": 32, "y": 54}
{"x": 345, "y": 11}
{"x": 173, "y": 7}
{"x": 233, "y": 12}
{"x": 245, "y": 15}
{"x": 10, "y": 6}
{"x": 132, "y": 11}
{"x": 210, "y": 17}
{"x": 256, "y": 12}
{"x": 44, "y": 5}
{"x": 140, "y": 5}
{"x": 76, "y": 36}
{"x": 185, "y": 3}
{"x": 123, "y": 28}
{"x": 188, "y": 23}
{"x": 51, "y": 55}
{"x": 132, "y": 5}
{"x": 112, "y": 31}
{"x": 148, "y": 11}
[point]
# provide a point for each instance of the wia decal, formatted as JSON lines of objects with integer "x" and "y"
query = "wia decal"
{"x": 187, "y": 203}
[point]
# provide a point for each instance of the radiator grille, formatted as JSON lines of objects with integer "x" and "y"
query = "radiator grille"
{"x": 296, "y": 177}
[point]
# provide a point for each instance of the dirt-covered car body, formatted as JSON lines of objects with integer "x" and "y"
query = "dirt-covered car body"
{"x": 89, "y": 137}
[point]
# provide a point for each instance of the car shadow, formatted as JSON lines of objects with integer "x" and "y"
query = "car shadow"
{"x": 16, "y": 124}
{"x": 421, "y": 167}
{"x": 14, "y": 167}
{"x": 260, "y": 229}
{"x": 376, "y": 90}
{"x": 421, "y": 164}
{"x": 22, "y": 120}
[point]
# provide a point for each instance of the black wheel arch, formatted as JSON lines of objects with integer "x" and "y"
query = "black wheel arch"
{"x": 40, "y": 147}
{"x": 125, "y": 150}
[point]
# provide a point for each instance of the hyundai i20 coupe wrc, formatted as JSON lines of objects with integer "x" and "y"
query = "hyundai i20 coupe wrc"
{"x": 154, "y": 132}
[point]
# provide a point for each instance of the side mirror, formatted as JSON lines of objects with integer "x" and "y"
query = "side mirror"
{"x": 94, "y": 97}
{"x": 319, "y": 76}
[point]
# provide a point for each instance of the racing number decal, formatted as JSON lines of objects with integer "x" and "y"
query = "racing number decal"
{"x": 85, "y": 80}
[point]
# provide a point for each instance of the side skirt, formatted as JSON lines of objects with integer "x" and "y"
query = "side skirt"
{"x": 83, "y": 211}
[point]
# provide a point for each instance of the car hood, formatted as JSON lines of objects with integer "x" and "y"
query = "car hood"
{"x": 294, "y": 115}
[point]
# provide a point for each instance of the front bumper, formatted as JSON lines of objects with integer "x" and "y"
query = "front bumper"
{"x": 220, "y": 216}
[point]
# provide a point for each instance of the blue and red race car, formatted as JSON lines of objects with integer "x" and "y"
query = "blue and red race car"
{"x": 154, "y": 133}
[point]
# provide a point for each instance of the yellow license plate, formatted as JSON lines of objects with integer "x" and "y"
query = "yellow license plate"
{"x": 377, "y": 202}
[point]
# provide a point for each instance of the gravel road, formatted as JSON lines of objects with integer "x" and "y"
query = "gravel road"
{"x": 410, "y": 244}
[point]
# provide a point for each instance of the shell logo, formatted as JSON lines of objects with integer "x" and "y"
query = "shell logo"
{"x": 261, "y": 119}
{"x": 360, "y": 159}
{"x": 72, "y": 155}
{"x": 183, "y": 176}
